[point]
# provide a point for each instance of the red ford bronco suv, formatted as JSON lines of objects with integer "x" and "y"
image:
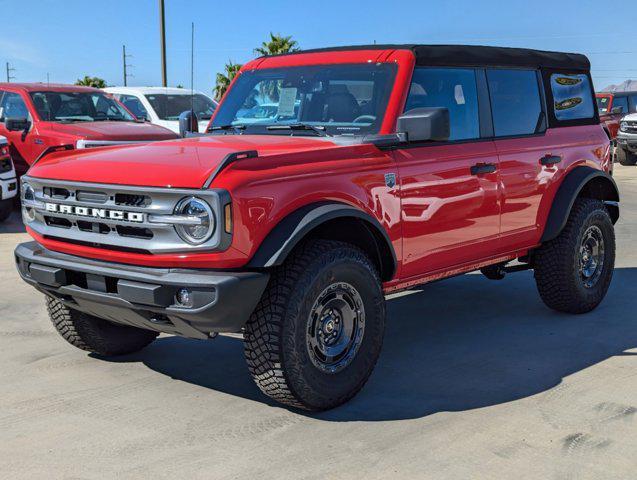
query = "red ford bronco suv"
{"x": 39, "y": 119}
{"x": 381, "y": 168}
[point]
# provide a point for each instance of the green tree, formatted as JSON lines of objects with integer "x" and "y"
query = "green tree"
{"x": 95, "y": 82}
{"x": 277, "y": 45}
{"x": 224, "y": 79}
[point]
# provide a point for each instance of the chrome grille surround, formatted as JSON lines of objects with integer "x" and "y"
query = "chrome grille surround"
{"x": 156, "y": 216}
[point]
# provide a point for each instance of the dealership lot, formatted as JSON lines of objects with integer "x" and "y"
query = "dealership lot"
{"x": 476, "y": 380}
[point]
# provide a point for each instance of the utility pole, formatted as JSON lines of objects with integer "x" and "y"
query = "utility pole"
{"x": 9, "y": 70}
{"x": 162, "y": 36}
{"x": 126, "y": 65}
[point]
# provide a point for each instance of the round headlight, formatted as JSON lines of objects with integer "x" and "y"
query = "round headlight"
{"x": 27, "y": 192}
{"x": 200, "y": 226}
{"x": 623, "y": 126}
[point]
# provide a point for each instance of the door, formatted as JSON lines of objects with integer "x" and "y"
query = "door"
{"x": 21, "y": 144}
{"x": 449, "y": 190}
{"x": 519, "y": 123}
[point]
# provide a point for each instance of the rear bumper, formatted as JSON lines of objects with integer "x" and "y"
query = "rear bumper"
{"x": 144, "y": 297}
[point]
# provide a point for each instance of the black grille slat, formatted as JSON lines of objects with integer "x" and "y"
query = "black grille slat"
{"x": 132, "y": 200}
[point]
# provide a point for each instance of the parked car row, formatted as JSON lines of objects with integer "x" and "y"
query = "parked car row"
{"x": 618, "y": 111}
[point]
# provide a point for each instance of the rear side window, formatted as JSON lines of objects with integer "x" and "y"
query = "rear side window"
{"x": 619, "y": 102}
{"x": 572, "y": 97}
{"x": 632, "y": 103}
{"x": 451, "y": 88}
{"x": 516, "y": 103}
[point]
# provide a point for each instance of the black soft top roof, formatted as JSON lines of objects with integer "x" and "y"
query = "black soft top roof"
{"x": 472, "y": 55}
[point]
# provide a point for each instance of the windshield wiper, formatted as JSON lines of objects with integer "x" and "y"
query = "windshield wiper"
{"x": 225, "y": 128}
{"x": 319, "y": 130}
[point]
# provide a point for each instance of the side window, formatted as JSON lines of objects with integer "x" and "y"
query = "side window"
{"x": 632, "y": 103}
{"x": 515, "y": 102}
{"x": 572, "y": 97}
{"x": 619, "y": 102}
{"x": 12, "y": 106}
{"x": 133, "y": 104}
{"x": 451, "y": 88}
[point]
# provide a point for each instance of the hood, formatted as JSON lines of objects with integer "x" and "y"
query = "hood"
{"x": 632, "y": 117}
{"x": 113, "y": 130}
{"x": 185, "y": 163}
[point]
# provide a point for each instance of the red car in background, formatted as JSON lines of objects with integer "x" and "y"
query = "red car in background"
{"x": 613, "y": 106}
{"x": 38, "y": 119}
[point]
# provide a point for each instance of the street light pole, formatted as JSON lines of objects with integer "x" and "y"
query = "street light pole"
{"x": 162, "y": 35}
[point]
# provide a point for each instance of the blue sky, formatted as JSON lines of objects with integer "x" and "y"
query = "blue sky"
{"x": 72, "y": 38}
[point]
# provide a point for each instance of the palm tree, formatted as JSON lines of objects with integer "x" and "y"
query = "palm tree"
{"x": 277, "y": 45}
{"x": 95, "y": 82}
{"x": 225, "y": 79}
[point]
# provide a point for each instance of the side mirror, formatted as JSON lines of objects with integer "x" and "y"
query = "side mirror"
{"x": 188, "y": 123}
{"x": 423, "y": 124}
{"x": 617, "y": 110}
{"x": 17, "y": 124}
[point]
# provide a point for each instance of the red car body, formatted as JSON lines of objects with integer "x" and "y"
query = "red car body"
{"x": 44, "y": 136}
{"x": 441, "y": 219}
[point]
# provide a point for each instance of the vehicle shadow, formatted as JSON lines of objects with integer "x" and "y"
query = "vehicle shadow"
{"x": 13, "y": 224}
{"x": 456, "y": 345}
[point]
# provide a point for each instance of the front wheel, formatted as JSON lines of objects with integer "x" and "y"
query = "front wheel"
{"x": 96, "y": 335}
{"x": 624, "y": 157}
{"x": 315, "y": 337}
{"x": 574, "y": 270}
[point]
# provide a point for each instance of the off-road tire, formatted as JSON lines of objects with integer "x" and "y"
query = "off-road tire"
{"x": 624, "y": 157}
{"x": 96, "y": 335}
{"x": 275, "y": 341}
{"x": 6, "y": 207}
{"x": 557, "y": 262}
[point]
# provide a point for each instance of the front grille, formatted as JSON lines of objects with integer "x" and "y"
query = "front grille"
{"x": 631, "y": 127}
{"x": 125, "y": 218}
{"x": 132, "y": 200}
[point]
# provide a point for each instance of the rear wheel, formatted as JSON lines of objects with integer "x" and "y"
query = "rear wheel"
{"x": 625, "y": 157}
{"x": 574, "y": 270}
{"x": 316, "y": 335}
{"x": 93, "y": 334}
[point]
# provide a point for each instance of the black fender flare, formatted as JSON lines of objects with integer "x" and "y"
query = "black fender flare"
{"x": 595, "y": 183}
{"x": 297, "y": 225}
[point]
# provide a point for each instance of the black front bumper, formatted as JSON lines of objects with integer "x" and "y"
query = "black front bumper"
{"x": 141, "y": 296}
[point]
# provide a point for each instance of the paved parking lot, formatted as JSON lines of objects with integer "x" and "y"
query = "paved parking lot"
{"x": 477, "y": 380}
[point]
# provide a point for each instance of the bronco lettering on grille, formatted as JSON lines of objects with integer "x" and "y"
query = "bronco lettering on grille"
{"x": 95, "y": 212}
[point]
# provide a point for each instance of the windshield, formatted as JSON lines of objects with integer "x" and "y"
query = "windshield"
{"x": 78, "y": 107}
{"x": 342, "y": 99}
{"x": 169, "y": 107}
{"x": 602, "y": 104}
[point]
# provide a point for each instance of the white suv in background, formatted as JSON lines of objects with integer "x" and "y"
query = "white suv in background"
{"x": 8, "y": 181}
{"x": 626, "y": 152}
{"x": 162, "y": 106}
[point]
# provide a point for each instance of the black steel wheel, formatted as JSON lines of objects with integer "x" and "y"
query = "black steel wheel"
{"x": 315, "y": 337}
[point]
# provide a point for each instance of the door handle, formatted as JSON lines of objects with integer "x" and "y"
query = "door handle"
{"x": 482, "y": 168}
{"x": 550, "y": 160}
